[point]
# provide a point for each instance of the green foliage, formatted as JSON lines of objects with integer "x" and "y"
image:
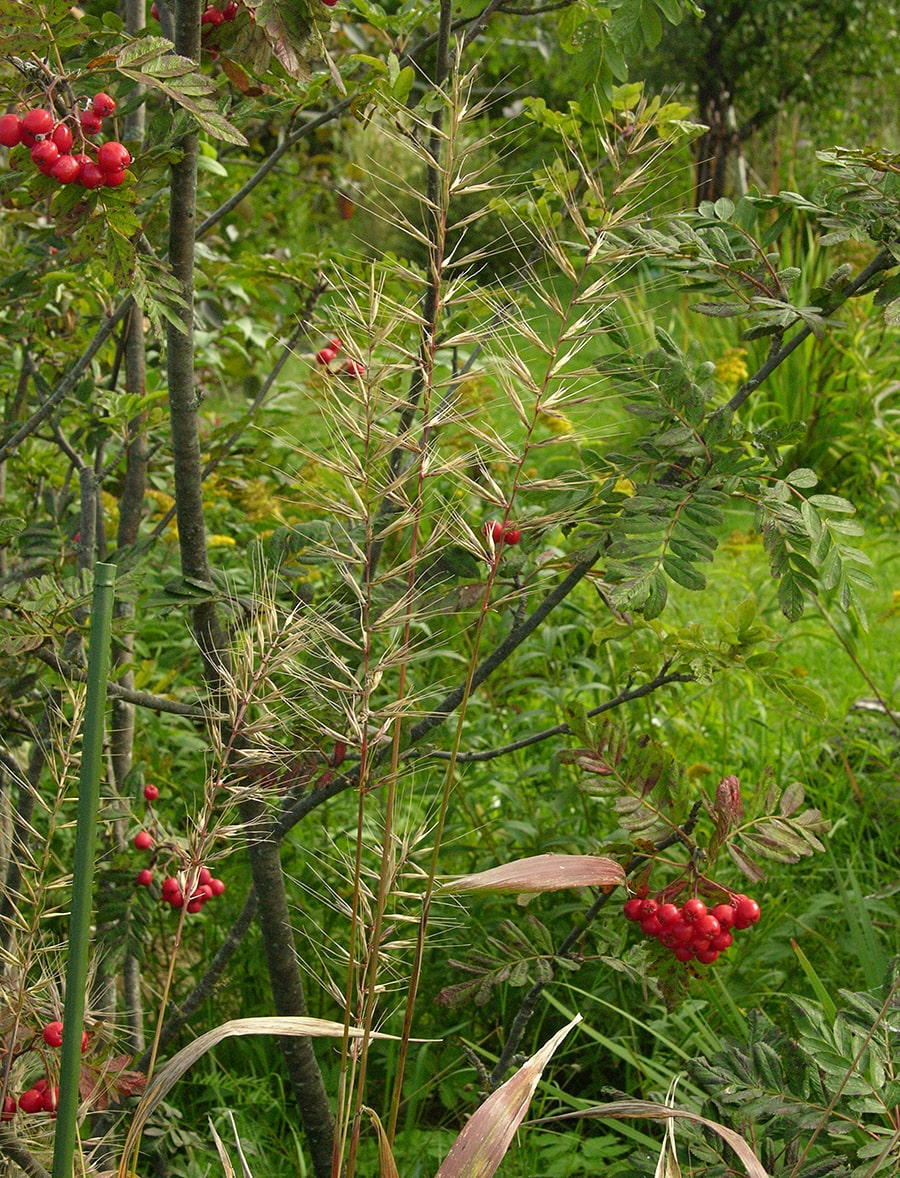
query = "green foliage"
{"x": 818, "y": 1098}
{"x": 394, "y": 662}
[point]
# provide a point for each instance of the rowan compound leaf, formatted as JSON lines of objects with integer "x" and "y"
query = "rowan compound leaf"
{"x": 683, "y": 574}
{"x": 791, "y": 799}
{"x": 728, "y": 800}
{"x": 657, "y": 595}
{"x": 748, "y": 866}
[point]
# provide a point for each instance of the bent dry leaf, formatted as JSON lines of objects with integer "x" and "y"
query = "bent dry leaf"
{"x": 627, "y": 1109}
{"x": 482, "y": 1144}
{"x": 542, "y": 873}
{"x": 164, "y": 1080}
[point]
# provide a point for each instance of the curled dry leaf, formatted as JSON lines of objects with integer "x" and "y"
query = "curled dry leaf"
{"x": 542, "y": 873}
{"x": 481, "y": 1145}
{"x": 172, "y": 1071}
{"x": 623, "y": 1109}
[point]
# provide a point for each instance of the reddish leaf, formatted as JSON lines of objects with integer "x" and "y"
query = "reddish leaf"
{"x": 480, "y": 1147}
{"x": 543, "y": 873}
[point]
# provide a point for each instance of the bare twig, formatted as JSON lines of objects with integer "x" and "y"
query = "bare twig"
{"x": 662, "y": 679}
{"x": 141, "y": 699}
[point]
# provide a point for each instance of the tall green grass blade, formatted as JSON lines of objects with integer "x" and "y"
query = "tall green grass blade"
{"x": 819, "y": 988}
{"x": 83, "y": 876}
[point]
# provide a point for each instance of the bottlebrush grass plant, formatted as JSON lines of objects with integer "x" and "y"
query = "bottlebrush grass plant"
{"x": 308, "y": 700}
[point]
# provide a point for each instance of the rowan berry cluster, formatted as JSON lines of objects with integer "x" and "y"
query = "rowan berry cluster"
{"x": 691, "y": 931}
{"x": 329, "y": 353}
{"x": 42, "y": 1096}
{"x": 51, "y": 141}
{"x": 499, "y": 534}
{"x": 173, "y": 888}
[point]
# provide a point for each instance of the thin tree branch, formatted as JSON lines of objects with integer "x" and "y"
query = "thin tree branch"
{"x": 12, "y": 1148}
{"x": 504, "y": 649}
{"x": 141, "y": 699}
{"x": 661, "y": 679}
{"x": 68, "y": 382}
{"x": 882, "y": 261}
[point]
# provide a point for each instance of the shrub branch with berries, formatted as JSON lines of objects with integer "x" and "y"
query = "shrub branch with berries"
{"x": 63, "y": 148}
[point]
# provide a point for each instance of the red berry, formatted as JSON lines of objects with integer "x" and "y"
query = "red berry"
{"x": 494, "y": 529}
{"x": 154, "y": 10}
{"x": 170, "y": 886}
{"x": 102, "y": 105}
{"x": 114, "y": 179}
{"x": 62, "y": 137}
{"x": 724, "y": 914}
{"x": 113, "y": 156}
{"x": 50, "y": 1099}
{"x": 31, "y": 1101}
{"x": 176, "y": 899}
{"x": 707, "y": 956}
{"x": 512, "y": 536}
{"x": 9, "y": 1108}
{"x": 204, "y": 876}
{"x": 37, "y": 122}
{"x": 90, "y": 123}
{"x": 53, "y": 1034}
{"x": 217, "y": 886}
{"x": 681, "y": 931}
{"x": 336, "y": 343}
{"x": 91, "y": 176}
{"x": 746, "y": 912}
{"x": 325, "y": 355}
{"x": 144, "y": 878}
{"x": 330, "y": 3}
{"x": 340, "y": 751}
{"x": 684, "y": 953}
{"x": 195, "y": 904}
{"x": 722, "y": 941}
{"x": 230, "y": 10}
{"x": 212, "y": 16}
{"x": 706, "y": 926}
{"x": 10, "y": 130}
{"x": 45, "y": 154}
{"x": 667, "y": 914}
{"x": 143, "y": 840}
{"x": 85, "y": 1039}
{"x": 648, "y": 907}
{"x": 354, "y": 368}
{"x": 651, "y": 926}
{"x": 692, "y": 909}
{"x": 632, "y": 908}
{"x": 151, "y": 793}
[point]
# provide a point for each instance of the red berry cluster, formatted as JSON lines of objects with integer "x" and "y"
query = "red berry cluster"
{"x": 499, "y": 534}
{"x": 172, "y": 889}
{"x": 42, "y": 1096}
{"x": 207, "y": 888}
{"x": 51, "y": 141}
{"x": 329, "y": 353}
{"x": 691, "y": 931}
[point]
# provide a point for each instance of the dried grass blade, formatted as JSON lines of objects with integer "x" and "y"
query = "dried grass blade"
{"x": 647, "y": 1108}
{"x": 481, "y": 1145}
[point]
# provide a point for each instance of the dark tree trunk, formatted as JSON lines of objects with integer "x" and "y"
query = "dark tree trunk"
{"x": 715, "y": 149}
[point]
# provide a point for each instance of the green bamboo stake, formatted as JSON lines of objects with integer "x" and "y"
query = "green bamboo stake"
{"x": 83, "y": 876}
